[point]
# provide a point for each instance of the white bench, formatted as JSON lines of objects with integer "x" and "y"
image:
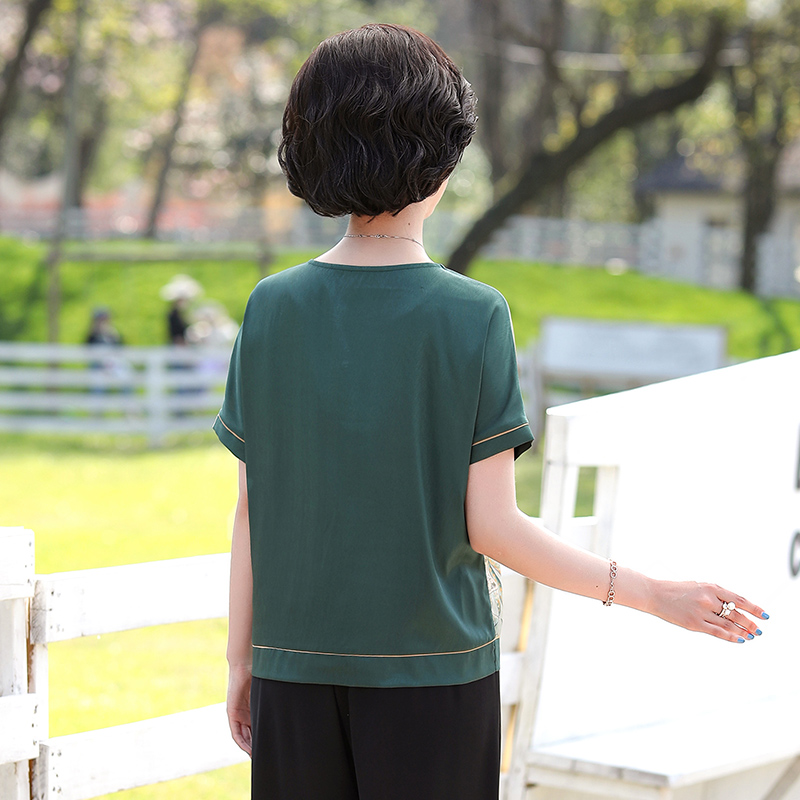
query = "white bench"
{"x": 697, "y": 478}
{"x": 587, "y": 356}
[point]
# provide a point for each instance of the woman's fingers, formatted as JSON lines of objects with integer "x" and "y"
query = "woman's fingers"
{"x": 724, "y": 630}
{"x": 732, "y": 623}
{"x": 742, "y": 604}
{"x": 738, "y": 604}
{"x": 710, "y": 609}
{"x": 242, "y": 734}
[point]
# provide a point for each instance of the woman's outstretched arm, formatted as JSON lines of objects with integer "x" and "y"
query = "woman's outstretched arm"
{"x": 498, "y": 529}
{"x": 240, "y": 622}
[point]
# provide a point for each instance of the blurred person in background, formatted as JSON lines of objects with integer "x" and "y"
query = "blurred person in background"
{"x": 102, "y": 331}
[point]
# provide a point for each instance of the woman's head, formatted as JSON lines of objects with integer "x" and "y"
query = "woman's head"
{"x": 377, "y": 119}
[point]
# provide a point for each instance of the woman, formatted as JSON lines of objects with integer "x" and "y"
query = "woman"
{"x": 373, "y": 404}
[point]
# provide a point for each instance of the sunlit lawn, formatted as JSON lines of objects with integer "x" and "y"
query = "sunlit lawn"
{"x": 103, "y": 504}
{"x": 93, "y": 506}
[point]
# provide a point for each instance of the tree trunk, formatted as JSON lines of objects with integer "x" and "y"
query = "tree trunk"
{"x": 492, "y": 89}
{"x": 8, "y": 96}
{"x": 543, "y": 168}
{"x": 88, "y": 147}
{"x": 169, "y": 143}
{"x": 759, "y": 205}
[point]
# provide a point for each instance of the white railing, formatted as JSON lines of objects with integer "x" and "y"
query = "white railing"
{"x": 154, "y": 391}
{"x": 38, "y": 610}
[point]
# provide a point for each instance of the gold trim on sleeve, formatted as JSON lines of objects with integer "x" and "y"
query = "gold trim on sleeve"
{"x": 229, "y": 430}
{"x": 488, "y": 438}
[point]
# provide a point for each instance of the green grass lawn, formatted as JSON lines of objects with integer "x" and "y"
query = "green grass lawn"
{"x": 755, "y": 327}
{"x": 102, "y": 503}
{"x": 97, "y": 504}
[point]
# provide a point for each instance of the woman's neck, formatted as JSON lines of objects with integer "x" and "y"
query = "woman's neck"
{"x": 382, "y": 241}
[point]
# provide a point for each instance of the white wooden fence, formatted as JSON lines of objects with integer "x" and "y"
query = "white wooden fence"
{"x": 698, "y": 478}
{"x": 153, "y": 391}
{"x": 36, "y": 610}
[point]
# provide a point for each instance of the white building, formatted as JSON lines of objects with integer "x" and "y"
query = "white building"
{"x": 698, "y": 209}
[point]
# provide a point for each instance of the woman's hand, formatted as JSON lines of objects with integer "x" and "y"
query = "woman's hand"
{"x": 238, "y": 707}
{"x": 697, "y": 607}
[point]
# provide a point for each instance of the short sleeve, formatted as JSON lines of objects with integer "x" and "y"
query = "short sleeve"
{"x": 500, "y": 422}
{"x": 229, "y": 424}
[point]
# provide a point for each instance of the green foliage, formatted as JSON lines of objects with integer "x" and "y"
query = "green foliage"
{"x": 756, "y": 327}
{"x": 130, "y": 290}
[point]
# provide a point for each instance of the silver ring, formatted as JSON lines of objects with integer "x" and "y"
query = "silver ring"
{"x": 726, "y": 609}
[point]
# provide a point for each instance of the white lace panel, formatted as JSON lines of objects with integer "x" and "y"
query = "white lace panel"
{"x": 495, "y": 586}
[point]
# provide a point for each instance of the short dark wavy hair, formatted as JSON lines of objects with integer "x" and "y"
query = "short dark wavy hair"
{"x": 377, "y": 119}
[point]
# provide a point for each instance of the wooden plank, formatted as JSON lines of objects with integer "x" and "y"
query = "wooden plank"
{"x": 16, "y": 563}
{"x": 16, "y": 352}
{"x": 206, "y": 401}
{"x": 686, "y": 751}
{"x": 13, "y": 647}
{"x": 596, "y": 785}
{"x": 18, "y": 732}
{"x": 104, "y": 425}
{"x": 73, "y": 377}
{"x": 92, "y": 602}
{"x": 48, "y": 354}
{"x": 197, "y": 377}
{"x": 511, "y": 665}
{"x": 74, "y": 402}
{"x": 68, "y": 425}
{"x": 579, "y": 768}
{"x": 14, "y": 783}
{"x": 67, "y": 402}
{"x": 190, "y": 376}
{"x": 787, "y": 779}
{"x": 86, "y": 765}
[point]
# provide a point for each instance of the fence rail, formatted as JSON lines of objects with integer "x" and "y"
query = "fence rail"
{"x": 41, "y": 609}
{"x": 38, "y": 610}
{"x": 154, "y": 391}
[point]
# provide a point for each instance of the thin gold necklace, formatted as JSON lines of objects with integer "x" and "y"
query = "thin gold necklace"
{"x": 381, "y": 236}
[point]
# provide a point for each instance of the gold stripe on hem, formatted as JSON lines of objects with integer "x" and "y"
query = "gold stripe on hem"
{"x": 361, "y": 655}
{"x": 488, "y": 438}
{"x": 229, "y": 430}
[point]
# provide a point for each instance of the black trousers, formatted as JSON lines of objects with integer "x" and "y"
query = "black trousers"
{"x": 314, "y": 742}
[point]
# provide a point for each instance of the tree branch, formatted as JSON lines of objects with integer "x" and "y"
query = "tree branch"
{"x": 544, "y": 168}
{"x": 33, "y": 17}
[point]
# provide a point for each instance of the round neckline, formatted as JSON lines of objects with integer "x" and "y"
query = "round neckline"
{"x": 375, "y": 268}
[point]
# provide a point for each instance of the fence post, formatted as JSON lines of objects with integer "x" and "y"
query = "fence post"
{"x": 39, "y": 684}
{"x": 18, "y": 732}
{"x": 156, "y": 395}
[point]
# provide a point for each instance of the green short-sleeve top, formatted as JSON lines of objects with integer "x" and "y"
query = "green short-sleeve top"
{"x": 358, "y": 397}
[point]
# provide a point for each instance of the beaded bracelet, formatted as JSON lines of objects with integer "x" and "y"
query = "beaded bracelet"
{"x": 612, "y": 574}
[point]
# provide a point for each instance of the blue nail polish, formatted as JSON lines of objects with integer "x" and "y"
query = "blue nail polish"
{"x": 741, "y": 641}
{"x": 750, "y": 636}
{"x": 758, "y": 631}
{"x": 765, "y": 615}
